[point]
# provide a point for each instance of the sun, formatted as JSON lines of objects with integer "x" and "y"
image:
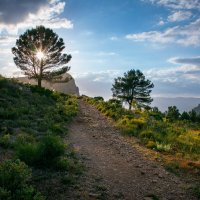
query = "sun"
{"x": 40, "y": 55}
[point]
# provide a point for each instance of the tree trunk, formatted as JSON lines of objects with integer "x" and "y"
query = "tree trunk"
{"x": 130, "y": 106}
{"x": 40, "y": 75}
{"x": 39, "y": 82}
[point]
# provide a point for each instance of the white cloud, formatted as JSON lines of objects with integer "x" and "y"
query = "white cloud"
{"x": 186, "y": 35}
{"x": 181, "y": 74}
{"x": 106, "y": 54}
{"x": 178, "y": 4}
{"x": 154, "y": 36}
{"x": 114, "y": 38}
{"x": 5, "y": 51}
{"x": 46, "y": 14}
{"x": 9, "y": 69}
{"x": 96, "y": 83}
{"x": 105, "y": 76}
{"x": 7, "y": 40}
{"x": 179, "y": 16}
{"x": 161, "y": 22}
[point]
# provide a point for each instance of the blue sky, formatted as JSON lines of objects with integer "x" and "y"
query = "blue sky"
{"x": 109, "y": 37}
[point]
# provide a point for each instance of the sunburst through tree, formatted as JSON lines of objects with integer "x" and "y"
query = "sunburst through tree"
{"x": 38, "y": 52}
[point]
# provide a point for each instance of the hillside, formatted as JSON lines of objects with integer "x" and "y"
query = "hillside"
{"x": 33, "y": 129}
{"x": 52, "y": 157}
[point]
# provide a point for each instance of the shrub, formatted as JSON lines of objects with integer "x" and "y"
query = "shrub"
{"x": 27, "y": 153}
{"x": 49, "y": 150}
{"x": 5, "y": 141}
{"x": 14, "y": 178}
{"x": 24, "y": 138}
{"x": 151, "y": 144}
{"x": 189, "y": 142}
{"x": 41, "y": 154}
{"x": 98, "y": 98}
{"x": 163, "y": 147}
{"x": 57, "y": 129}
{"x": 148, "y": 134}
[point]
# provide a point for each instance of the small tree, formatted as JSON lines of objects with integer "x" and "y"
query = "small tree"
{"x": 172, "y": 113}
{"x": 133, "y": 87}
{"x": 38, "y": 54}
{"x": 185, "y": 116}
{"x": 193, "y": 115}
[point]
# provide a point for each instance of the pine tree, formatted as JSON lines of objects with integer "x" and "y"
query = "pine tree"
{"x": 133, "y": 87}
{"x": 38, "y": 53}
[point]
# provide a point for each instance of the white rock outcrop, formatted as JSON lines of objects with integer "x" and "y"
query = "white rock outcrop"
{"x": 66, "y": 84}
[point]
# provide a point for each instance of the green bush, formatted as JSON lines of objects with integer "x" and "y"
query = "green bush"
{"x": 27, "y": 153}
{"x": 14, "y": 179}
{"x": 44, "y": 153}
{"x": 49, "y": 150}
{"x": 5, "y": 141}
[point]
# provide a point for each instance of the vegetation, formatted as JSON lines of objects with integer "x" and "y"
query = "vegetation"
{"x": 38, "y": 53}
{"x": 164, "y": 132}
{"x": 133, "y": 88}
{"x": 33, "y": 129}
{"x": 14, "y": 182}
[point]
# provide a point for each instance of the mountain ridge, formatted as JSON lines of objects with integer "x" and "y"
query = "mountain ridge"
{"x": 182, "y": 103}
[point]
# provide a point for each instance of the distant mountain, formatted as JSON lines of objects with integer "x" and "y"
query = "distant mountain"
{"x": 182, "y": 103}
{"x": 197, "y": 109}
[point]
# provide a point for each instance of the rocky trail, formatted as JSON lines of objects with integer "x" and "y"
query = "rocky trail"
{"x": 114, "y": 168}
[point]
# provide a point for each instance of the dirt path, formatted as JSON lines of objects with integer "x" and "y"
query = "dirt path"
{"x": 115, "y": 169}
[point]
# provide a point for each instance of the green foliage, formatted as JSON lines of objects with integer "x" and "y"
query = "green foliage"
{"x": 163, "y": 147}
{"x": 152, "y": 196}
{"x": 151, "y": 127}
{"x": 33, "y": 122}
{"x": 185, "y": 116}
{"x": 43, "y": 154}
{"x": 133, "y": 87}
{"x": 5, "y": 141}
{"x": 193, "y": 116}
{"x": 98, "y": 98}
{"x": 35, "y": 109}
{"x": 49, "y": 150}
{"x": 173, "y": 167}
{"x": 14, "y": 182}
{"x": 45, "y": 41}
{"x": 172, "y": 113}
{"x": 197, "y": 190}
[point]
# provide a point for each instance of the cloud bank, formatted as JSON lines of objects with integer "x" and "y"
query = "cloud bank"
{"x": 188, "y": 35}
{"x": 16, "y": 15}
{"x": 185, "y": 34}
{"x": 182, "y": 80}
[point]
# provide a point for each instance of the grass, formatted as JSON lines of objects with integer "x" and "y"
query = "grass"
{"x": 33, "y": 128}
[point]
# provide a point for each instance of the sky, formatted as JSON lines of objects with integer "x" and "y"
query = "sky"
{"x": 106, "y": 38}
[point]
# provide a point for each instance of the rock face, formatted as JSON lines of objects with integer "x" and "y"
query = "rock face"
{"x": 66, "y": 84}
{"x": 197, "y": 109}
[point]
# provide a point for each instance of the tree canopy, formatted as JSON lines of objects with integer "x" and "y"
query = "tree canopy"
{"x": 133, "y": 87}
{"x": 172, "y": 113}
{"x": 38, "y": 52}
